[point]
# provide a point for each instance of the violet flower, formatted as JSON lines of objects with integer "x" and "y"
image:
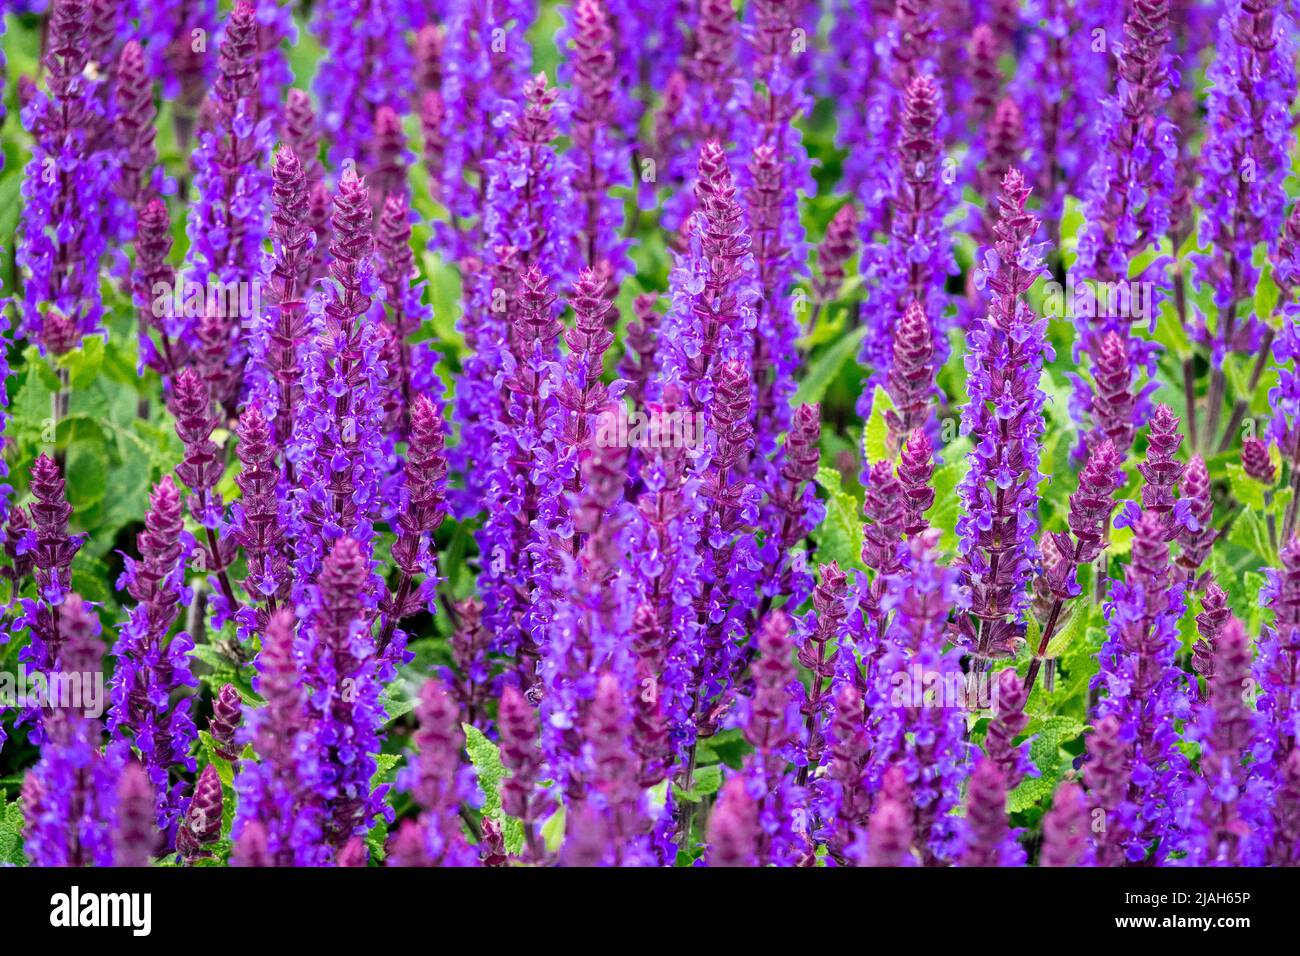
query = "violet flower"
{"x": 1143, "y": 687}
{"x": 191, "y": 405}
{"x": 344, "y": 709}
{"x": 1065, "y": 829}
{"x": 341, "y": 418}
{"x": 1277, "y": 666}
{"x": 601, "y": 154}
{"x": 69, "y": 209}
{"x": 927, "y": 742}
{"x": 989, "y": 838}
{"x": 1244, "y": 160}
{"x": 227, "y": 224}
{"x": 420, "y": 512}
{"x": 911, "y": 267}
{"x": 69, "y": 795}
{"x": 1229, "y": 809}
{"x": 258, "y": 522}
{"x": 439, "y": 781}
{"x": 367, "y": 65}
{"x": 278, "y": 819}
{"x": 770, "y": 722}
{"x": 1004, "y": 418}
{"x": 151, "y": 668}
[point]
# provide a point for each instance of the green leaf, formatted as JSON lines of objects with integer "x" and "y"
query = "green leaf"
{"x": 875, "y": 437}
{"x": 943, "y": 514}
{"x": 1250, "y": 532}
{"x": 706, "y": 781}
{"x": 485, "y": 757}
{"x": 839, "y": 536}
{"x": 1045, "y": 754}
{"x": 1266, "y": 294}
{"x": 82, "y": 363}
{"x": 553, "y": 830}
{"x": 826, "y": 368}
{"x": 11, "y": 833}
{"x": 1245, "y": 489}
{"x": 224, "y": 770}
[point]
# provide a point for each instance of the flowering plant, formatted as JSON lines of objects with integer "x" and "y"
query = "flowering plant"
{"x": 667, "y": 444}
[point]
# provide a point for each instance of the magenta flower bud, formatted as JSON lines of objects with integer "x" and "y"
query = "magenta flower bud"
{"x": 520, "y": 755}
{"x": 1214, "y": 615}
{"x": 203, "y": 818}
{"x": 911, "y": 374}
{"x": 1065, "y": 829}
{"x": 1196, "y": 537}
{"x": 1007, "y": 724}
{"x": 838, "y": 246}
{"x": 1106, "y": 774}
{"x": 134, "y": 838}
{"x": 54, "y": 547}
{"x": 133, "y": 121}
{"x": 989, "y": 840}
{"x": 154, "y": 275}
{"x": 1256, "y": 461}
{"x": 354, "y": 853}
{"x": 227, "y": 714}
{"x": 1113, "y": 401}
{"x": 1161, "y": 469}
{"x": 889, "y": 830}
{"x": 734, "y": 827}
{"x": 915, "y": 471}
{"x": 826, "y": 624}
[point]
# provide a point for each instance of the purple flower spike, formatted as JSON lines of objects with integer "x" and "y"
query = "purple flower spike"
{"x": 278, "y": 820}
{"x": 1256, "y": 461}
{"x": 68, "y": 217}
{"x": 151, "y": 668}
{"x": 439, "y": 781}
{"x": 1229, "y": 811}
{"x": 258, "y": 520}
{"x": 989, "y": 839}
{"x": 1197, "y": 537}
{"x": 520, "y": 755}
{"x": 911, "y": 375}
{"x": 68, "y": 795}
{"x": 133, "y": 123}
{"x": 202, "y": 824}
{"x": 224, "y": 724}
{"x": 1146, "y": 690}
{"x": 734, "y": 829}
{"x": 1005, "y": 421}
{"x": 1007, "y": 724}
{"x": 336, "y": 642}
{"x": 1161, "y": 471}
{"x": 1065, "y": 829}
{"x": 134, "y": 838}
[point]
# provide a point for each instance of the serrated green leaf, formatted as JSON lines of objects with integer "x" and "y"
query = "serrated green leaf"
{"x": 486, "y": 759}
{"x": 943, "y": 514}
{"x": 11, "y": 834}
{"x": 1245, "y": 489}
{"x": 875, "y": 436}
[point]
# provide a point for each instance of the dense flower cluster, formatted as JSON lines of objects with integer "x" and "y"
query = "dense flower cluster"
{"x": 794, "y": 435}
